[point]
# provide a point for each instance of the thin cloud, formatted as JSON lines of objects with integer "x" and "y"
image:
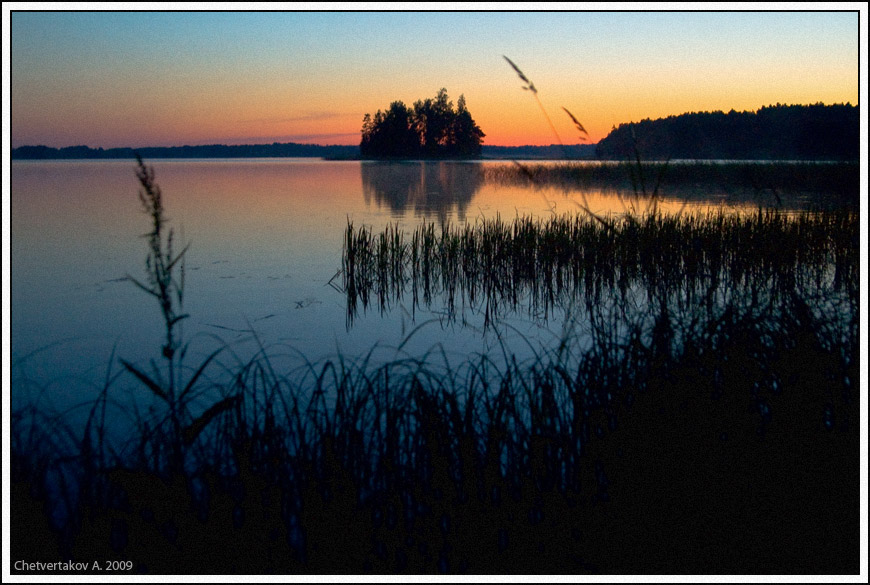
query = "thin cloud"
{"x": 310, "y": 137}
{"x": 345, "y": 137}
{"x": 309, "y": 117}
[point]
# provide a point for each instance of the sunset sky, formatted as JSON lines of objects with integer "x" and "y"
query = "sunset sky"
{"x": 107, "y": 79}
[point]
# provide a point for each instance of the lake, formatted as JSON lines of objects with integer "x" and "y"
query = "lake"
{"x": 265, "y": 241}
{"x": 471, "y": 367}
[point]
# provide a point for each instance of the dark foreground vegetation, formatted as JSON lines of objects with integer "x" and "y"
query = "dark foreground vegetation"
{"x": 699, "y": 415}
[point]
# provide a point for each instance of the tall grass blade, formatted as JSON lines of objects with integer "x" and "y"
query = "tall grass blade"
{"x": 577, "y": 124}
{"x": 145, "y": 379}
{"x": 529, "y": 85}
{"x": 198, "y": 373}
{"x": 193, "y": 430}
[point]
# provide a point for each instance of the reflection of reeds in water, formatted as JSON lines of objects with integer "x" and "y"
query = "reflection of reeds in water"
{"x": 495, "y": 267}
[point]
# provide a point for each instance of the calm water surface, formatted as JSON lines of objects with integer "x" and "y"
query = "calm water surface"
{"x": 265, "y": 242}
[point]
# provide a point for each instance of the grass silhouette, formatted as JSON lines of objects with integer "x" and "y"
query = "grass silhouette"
{"x": 547, "y": 266}
{"x": 168, "y": 289}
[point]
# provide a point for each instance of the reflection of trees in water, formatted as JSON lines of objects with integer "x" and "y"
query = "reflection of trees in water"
{"x": 782, "y": 184}
{"x": 427, "y": 188}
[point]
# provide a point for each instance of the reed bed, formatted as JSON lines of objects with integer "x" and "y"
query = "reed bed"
{"x": 538, "y": 265}
{"x": 494, "y": 465}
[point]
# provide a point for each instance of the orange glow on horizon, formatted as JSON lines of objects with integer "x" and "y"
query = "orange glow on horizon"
{"x": 93, "y": 78}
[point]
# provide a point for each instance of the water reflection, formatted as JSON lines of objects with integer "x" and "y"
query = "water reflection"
{"x": 781, "y": 184}
{"x": 439, "y": 189}
{"x": 267, "y": 237}
{"x": 447, "y": 190}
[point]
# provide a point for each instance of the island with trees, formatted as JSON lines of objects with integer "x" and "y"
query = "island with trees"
{"x": 431, "y": 129}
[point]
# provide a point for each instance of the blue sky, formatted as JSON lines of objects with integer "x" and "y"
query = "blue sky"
{"x": 149, "y": 78}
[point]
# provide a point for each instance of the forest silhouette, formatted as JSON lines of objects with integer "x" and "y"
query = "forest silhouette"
{"x": 783, "y": 132}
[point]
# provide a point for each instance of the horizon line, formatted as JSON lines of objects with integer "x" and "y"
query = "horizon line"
{"x": 557, "y": 145}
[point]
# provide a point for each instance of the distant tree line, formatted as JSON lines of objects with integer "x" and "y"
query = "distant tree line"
{"x": 276, "y": 149}
{"x": 549, "y": 152}
{"x": 431, "y": 129}
{"x": 783, "y": 132}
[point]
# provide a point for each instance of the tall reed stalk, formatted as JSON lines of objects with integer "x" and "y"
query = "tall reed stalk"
{"x": 636, "y": 168}
{"x": 165, "y": 283}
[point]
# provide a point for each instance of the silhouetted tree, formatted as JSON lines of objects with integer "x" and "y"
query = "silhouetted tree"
{"x": 433, "y": 120}
{"x": 390, "y": 134}
{"x": 433, "y": 129}
{"x": 466, "y": 134}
